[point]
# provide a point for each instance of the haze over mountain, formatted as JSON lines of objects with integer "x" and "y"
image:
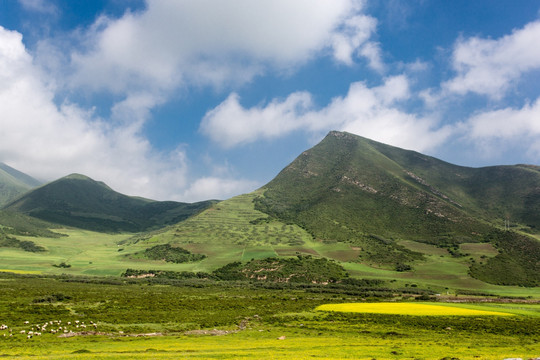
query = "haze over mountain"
{"x": 78, "y": 201}
{"x": 14, "y": 183}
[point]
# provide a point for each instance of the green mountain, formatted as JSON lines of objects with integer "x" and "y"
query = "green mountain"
{"x": 14, "y": 183}
{"x": 78, "y": 201}
{"x": 351, "y": 189}
{"x": 351, "y": 184}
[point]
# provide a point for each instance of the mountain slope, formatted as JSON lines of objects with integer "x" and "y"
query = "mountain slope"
{"x": 79, "y": 201}
{"x": 351, "y": 189}
{"x": 14, "y": 183}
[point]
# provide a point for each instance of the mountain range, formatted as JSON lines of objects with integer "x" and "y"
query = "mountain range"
{"x": 348, "y": 198}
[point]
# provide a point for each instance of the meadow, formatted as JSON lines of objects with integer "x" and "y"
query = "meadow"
{"x": 149, "y": 319}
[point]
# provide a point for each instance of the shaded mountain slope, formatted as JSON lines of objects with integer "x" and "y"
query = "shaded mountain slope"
{"x": 79, "y": 201}
{"x": 14, "y": 183}
{"x": 495, "y": 193}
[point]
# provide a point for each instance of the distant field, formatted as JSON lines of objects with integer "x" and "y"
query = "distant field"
{"x": 416, "y": 309}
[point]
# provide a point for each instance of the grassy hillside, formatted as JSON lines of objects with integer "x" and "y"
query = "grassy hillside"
{"x": 81, "y": 202}
{"x": 353, "y": 190}
{"x": 14, "y": 183}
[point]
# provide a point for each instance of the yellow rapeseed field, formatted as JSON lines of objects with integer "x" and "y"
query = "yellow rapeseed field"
{"x": 420, "y": 309}
{"x": 21, "y": 271}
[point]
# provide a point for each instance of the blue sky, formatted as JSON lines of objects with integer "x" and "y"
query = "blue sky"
{"x": 191, "y": 100}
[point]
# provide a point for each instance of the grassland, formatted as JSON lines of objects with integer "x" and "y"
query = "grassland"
{"x": 148, "y": 320}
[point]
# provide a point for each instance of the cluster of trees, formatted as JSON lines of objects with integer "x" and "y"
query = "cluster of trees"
{"x": 173, "y": 254}
{"x": 26, "y": 245}
{"x": 300, "y": 269}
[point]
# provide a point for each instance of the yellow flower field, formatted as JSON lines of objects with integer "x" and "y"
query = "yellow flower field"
{"x": 420, "y": 309}
{"x": 21, "y": 271}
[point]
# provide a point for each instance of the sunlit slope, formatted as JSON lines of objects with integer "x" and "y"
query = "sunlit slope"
{"x": 232, "y": 230}
{"x": 78, "y": 201}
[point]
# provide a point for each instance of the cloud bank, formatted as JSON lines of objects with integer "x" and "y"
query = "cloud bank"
{"x": 209, "y": 43}
{"x": 491, "y": 66}
{"x": 49, "y": 141}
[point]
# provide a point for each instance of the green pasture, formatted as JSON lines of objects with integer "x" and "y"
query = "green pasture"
{"x": 146, "y": 320}
{"x": 99, "y": 254}
{"x": 275, "y": 343}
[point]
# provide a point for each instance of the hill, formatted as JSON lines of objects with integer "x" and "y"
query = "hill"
{"x": 395, "y": 192}
{"x": 78, "y": 201}
{"x": 14, "y": 183}
{"x": 355, "y": 190}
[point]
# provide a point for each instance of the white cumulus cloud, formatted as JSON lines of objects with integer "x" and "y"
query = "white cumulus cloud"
{"x": 49, "y": 141}
{"x": 491, "y": 66}
{"x": 212, "y": 187}
{"x": 371, "y": 112}
{"x": 216, "y": 43}
{"x": 497, "y": 131}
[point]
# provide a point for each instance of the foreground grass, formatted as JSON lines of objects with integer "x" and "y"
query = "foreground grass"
{"x": 201, "y": 320}
{"x": 266, "y": 344}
